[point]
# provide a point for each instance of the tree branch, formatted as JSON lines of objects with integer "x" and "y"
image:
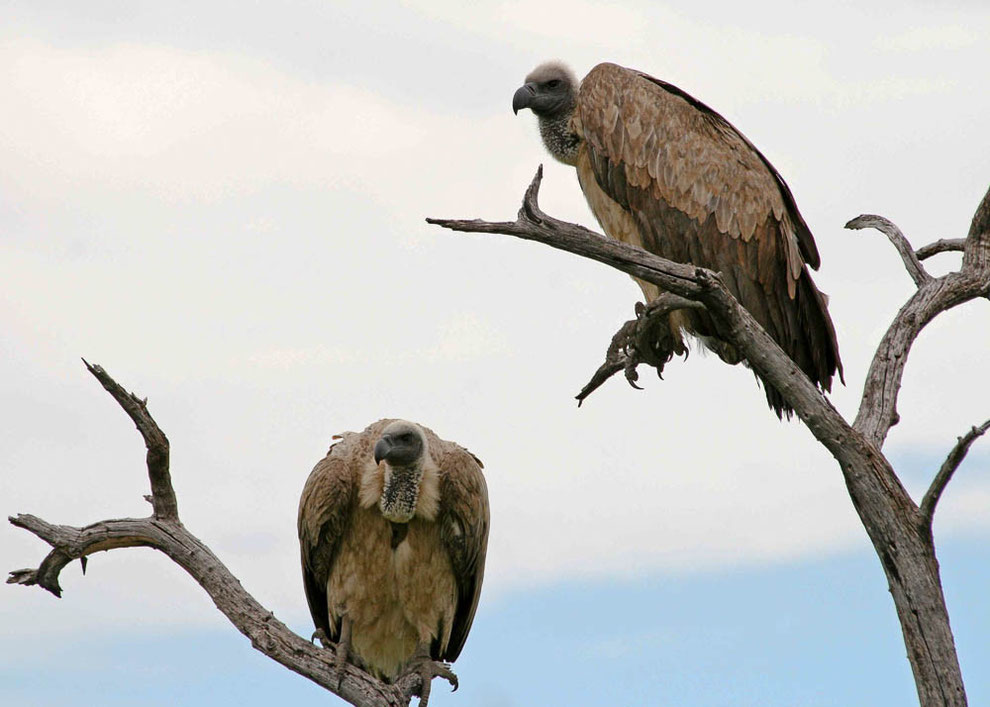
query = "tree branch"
{"x": 692, "y": 283}
{"x": 942, "y": 245}
{"x": 164, "y": 532}
{"x": 162, "y": 494}
{"x": 911, "y": 261}
{"x": 948, "y": 468}
{"x": 533, "y": 225}
{"x": 878, "y": 407}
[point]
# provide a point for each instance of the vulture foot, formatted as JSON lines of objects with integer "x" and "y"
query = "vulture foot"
{"x": 645, "y": 339}
{"x": 426, "y": 668}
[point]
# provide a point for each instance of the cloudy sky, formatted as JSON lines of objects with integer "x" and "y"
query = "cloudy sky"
{"x": 223, "y": 204}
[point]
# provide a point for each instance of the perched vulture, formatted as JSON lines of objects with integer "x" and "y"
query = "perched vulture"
{"x": 663, "y": 171}
{"x": 393, "y": 529}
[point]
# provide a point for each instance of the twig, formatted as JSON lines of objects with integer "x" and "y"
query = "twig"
{"x": 948, "y": 468}
{"x": 165, "y": 532}
{"x": 911, "y": 261}
{"x": 942, "y": 245}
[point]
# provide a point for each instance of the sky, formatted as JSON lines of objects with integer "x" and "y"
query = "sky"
{"x": 224, "y": 205}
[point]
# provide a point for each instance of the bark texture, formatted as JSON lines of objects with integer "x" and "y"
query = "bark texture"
{"x": 900, "y": 530}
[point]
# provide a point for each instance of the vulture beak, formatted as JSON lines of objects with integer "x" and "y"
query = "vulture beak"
{"x": 382, "y": 448}
{"x": 523, "y": 97}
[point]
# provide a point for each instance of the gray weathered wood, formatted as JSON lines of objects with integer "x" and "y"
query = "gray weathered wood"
{"x": 943, "y": 245}
{"x": 899, "y": 530}
{"x": 911, "y": 260}
{"x": 948, "y": 468}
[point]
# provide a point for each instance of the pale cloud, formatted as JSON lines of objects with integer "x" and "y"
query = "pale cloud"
{"x": 930, "y": 37}
{"x": 562, "y": 23}
{"x": 211, "y": 124}
{"x": 613, "y": 22}
{"x": 463, "y": 337}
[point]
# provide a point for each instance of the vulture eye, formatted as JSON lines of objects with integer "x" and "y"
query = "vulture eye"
{"x": 553, "y": 83}
{"x": 407, "y": 437}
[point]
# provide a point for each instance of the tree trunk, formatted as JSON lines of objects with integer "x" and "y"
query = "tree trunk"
{"x": 903, "y": 541}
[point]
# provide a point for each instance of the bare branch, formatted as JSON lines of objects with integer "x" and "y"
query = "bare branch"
{"x": 162, "y": 495}
{"x": 165, "y": 532}
{"x": 914, "y": 267}
{"x": 942, "y": 245}
{"x": 689, "y": 282}
{"x": 534, "y": 225}
{"x": 878, "y": 407}
{"x": 948, "y": 468}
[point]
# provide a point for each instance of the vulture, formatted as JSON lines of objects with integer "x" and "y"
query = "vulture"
{"x": 664, "y": 172}
{"x": 393, "y": 530}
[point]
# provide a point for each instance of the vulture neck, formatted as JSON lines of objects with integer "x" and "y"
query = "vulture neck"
{"x": 559, "y": 138}
{"x": 400, "y": 492}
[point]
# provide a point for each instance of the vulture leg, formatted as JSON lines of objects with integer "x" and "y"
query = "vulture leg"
{"x": 322, "y": 636}
{"x": 342, "y": 653}
{"x": 423, "y": 665}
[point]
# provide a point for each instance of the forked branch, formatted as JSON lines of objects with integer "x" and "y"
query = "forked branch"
{"x": 878, "y": 407}
{"x": 164, "y": 531}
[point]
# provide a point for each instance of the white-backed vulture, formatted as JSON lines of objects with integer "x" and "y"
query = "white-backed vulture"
{"x": 663, "y": 171}
{"x": 393, "y": 529}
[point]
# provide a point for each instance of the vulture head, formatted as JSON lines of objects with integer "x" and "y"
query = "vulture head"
{"x": 550, "y": 91}
{"x": 403, "y": 449}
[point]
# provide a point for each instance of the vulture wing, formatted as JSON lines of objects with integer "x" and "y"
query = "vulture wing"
{"x": 463, "y": 519}
{"x": 701, "y": 193}
{"x": 325, "y": 507}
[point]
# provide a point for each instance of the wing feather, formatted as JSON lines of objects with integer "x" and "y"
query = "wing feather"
{"x": 325, "y": 509}
{"x": 464, "y": 521}
{"x": 702, "y": 193}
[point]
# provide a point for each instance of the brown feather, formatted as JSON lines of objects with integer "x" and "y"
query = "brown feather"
{"x": 401, "y": 587}
{"x": 699, "y": 192}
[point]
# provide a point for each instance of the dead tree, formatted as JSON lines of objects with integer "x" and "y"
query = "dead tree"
{"x": 163, "y": 531}
{"x": 900, "y": 529}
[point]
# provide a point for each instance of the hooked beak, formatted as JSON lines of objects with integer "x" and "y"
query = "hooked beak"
{"x": 382, "y": 448}
{"x": 523, "y": 97}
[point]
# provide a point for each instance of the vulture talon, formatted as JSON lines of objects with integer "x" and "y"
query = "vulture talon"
{"x": 426, "y": 668}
